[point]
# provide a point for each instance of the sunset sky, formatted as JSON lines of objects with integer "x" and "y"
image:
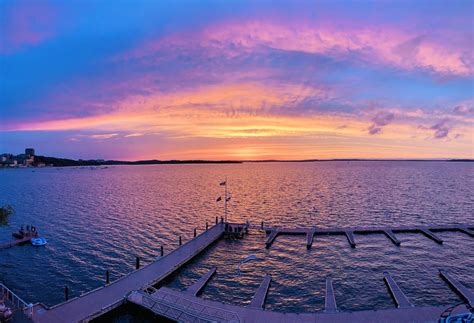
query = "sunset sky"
{"x": 237, "y": 79}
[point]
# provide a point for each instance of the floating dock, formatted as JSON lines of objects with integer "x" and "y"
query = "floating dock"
{"x": 389, "y": 232}
{"x": 197, "y": 287}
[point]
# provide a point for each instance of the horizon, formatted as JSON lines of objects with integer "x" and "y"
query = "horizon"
{"x": 238, "y": 80}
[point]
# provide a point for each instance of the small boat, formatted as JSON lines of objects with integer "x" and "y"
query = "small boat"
{"x": 37, "y": 242}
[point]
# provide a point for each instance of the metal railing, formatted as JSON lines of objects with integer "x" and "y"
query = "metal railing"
{"x": 15, "y": 300}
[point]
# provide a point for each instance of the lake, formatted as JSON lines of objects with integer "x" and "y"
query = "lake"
{"x": 102, "y": 218}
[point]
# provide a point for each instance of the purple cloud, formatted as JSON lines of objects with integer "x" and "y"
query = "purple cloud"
{"x": 441, "y": 129}
{"x": 379, "y": 120}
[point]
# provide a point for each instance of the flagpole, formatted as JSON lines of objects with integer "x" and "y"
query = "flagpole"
{"x": 225, "y": 200}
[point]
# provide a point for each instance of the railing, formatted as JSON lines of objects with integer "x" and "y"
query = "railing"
{"x": 150, "y": 302}
{"x": 18, "y": 303}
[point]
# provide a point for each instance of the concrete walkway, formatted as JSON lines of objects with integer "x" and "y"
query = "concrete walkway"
{"x": 103, "y": 299}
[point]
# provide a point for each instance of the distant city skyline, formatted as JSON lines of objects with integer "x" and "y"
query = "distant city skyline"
{"x": 237, "y": 80}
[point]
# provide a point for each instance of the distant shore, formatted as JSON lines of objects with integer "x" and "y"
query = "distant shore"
{"x": 65, "y": 162}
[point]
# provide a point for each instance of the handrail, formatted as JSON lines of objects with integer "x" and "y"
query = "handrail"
{"x": 185, "y": 310}
{"x": 27, "y": 308}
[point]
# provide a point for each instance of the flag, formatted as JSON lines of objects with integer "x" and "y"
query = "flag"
{"x": 218, "y": 199}
{"x": 222, "y": 183}
{"x": 228, "y": 199}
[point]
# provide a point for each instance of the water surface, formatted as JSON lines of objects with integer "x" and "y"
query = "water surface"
{"x": 98, "y": 219}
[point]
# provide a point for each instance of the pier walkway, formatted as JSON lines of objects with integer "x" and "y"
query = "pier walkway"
{"x": 9, "y": 244}
{"x": 183, "y": 307}
{"x": 103, "y": 299}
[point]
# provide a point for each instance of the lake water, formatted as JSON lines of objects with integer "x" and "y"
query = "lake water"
{"x": 99, "y": 219}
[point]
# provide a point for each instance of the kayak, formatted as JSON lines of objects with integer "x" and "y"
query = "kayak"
{"x": 38, "y": 242}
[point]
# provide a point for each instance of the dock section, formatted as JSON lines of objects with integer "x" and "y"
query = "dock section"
{"x": 13, "y": 243}
{"x": 258, "y": 300}
{"x": 350, "y": 231}
{"x": 350, "y": 238}
{"x": 329, "y": 300}
{"x": 271, "y": 237}
{"x": 101, "y": 300}
{"x": 391, "y": 236}
{"x": 309, "y": 238}
{"x": 400, "y": 299}
{"x": 431, "y": 235}
{"x": 459, "y": 288}
{"x": 196, "y": 288}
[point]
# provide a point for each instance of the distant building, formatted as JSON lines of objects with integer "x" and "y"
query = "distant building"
{"x": 30, "y": 152}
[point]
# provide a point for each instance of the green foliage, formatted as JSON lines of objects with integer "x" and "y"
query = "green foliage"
{"x": 5, "y": 212}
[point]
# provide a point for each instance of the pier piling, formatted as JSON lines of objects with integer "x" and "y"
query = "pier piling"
{"x": 207, "y": 226}
{"x": 107, "y": 277}
{"x": 161, "y": 251}
{"x": 180, "y": 241}
{"x": 66, "y": 293}
{"x": 261, "y": 225}
{"x": 195, "y": 233}
{"x": 137, "y": 263}
{"x": 216, "y": 219}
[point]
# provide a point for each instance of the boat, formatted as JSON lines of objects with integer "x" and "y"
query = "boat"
{"x": 37, "y": 242}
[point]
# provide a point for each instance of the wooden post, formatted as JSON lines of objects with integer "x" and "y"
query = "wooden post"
{"x": 195, "y": 232}
{"x": 207, "y": 226}
{"x": 262, "y": 224}
{"x": 66, "y": 293}
{"x": 180, "y": 242}
{"x": 137, "y": 263}
{"x": 107, "y": 277}
{"x": 222, "y": 220}
{"x": 161, "y": 251}
{"x": 216, "y": 219}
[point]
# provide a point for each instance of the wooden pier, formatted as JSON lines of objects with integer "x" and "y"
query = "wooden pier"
{"x": 389, "y": 232}
{"x": 104, "y": 299}
{"x": 16, "y": 242}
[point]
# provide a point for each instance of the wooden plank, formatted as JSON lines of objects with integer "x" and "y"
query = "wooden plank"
{"x": 258, "y": 300}
{"x": 391, "y": 236}
{"x": 271, "y": 237}
{"x": 400, "y": 299}
{"x": 196, "y": 288}
{"x": 459, "y": 288}
{"x": 329, "y": 300}
{"x": 350, "y": 238}
{"x": 431, "y": 235}
{"x": 309, "y": 238}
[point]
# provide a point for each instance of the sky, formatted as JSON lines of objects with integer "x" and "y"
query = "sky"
{"x": 242, "y": 80}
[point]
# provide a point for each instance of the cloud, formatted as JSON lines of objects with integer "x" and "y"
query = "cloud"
{"x": 104, "y": 136}
{"x": 381, "y": 119}
{"x": 133, "y": 135}
{"x": 441, "y": 129}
